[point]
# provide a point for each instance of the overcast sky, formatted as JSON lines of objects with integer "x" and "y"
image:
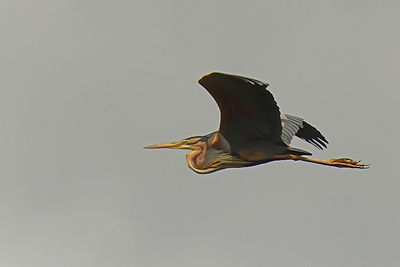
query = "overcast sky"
{"x": 86, "y": 84}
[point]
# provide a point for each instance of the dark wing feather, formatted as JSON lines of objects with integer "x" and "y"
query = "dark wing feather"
{"x": 310, "y": 134}
{"x": 248, "y": 110}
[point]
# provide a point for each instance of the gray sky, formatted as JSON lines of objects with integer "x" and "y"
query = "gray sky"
{"x": 86, "y": 84}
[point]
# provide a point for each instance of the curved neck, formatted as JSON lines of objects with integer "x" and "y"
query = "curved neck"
{"x": 218, "y": 160}
{"x": 195, "y": 159}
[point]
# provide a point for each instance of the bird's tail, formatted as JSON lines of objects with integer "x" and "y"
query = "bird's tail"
{"x": 298, "y": 151}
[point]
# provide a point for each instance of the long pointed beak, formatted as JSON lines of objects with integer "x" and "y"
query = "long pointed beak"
{"x": 179, "y": 144}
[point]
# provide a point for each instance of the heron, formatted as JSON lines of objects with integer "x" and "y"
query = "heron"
{"x": 252, "y": 130}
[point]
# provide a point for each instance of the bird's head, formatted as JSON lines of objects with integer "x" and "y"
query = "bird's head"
{"x": 197, "y": 160}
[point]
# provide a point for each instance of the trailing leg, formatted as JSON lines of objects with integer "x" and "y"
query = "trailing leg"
{"x": 340, "y": 163}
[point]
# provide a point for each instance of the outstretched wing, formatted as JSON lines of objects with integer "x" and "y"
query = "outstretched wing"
{"x": 293, "y": 125}
{"x": 248, "y": 110}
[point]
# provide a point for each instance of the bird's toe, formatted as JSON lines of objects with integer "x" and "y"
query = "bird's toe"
{"x": 349, "y": 163}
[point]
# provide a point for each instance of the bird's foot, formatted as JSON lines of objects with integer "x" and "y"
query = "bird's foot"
{"x": 348, "y": 163}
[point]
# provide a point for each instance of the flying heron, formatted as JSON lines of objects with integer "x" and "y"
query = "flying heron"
{"x": 252, "y": 131}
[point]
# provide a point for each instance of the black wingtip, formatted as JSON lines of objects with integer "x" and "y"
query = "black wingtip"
{"x": 311, "y": 135}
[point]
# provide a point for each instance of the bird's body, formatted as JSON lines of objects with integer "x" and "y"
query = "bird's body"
{"x": 252, "y": 130}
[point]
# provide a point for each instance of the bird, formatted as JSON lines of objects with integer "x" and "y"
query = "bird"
{"x": 252, "y": 130}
